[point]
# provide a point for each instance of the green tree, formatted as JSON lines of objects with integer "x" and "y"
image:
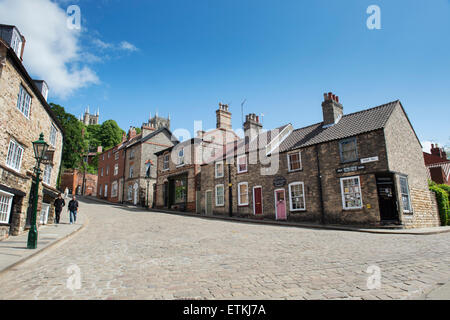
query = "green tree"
{"x": 74, "y": 143}
{"x": 110, "y": 134}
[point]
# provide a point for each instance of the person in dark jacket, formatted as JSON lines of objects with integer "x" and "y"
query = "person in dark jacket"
{"x": 73, "y": 209}
{"x": 59, "y": 204}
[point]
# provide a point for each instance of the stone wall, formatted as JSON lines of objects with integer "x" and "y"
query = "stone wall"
{"x": 13, "y": 124}
{"x": 406, "y": 158}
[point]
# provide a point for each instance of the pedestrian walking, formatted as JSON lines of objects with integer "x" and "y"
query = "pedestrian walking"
{"x": 59, "y": 205}
{"x": 66, "y": 193}
{"x": 73, "y": 209}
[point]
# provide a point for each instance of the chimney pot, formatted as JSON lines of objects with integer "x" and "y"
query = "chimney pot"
{"x": 337, "y": 99}
{"x": 330, "y": 95}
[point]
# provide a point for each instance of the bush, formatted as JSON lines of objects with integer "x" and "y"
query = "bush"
{"x": 442, "y": 198}
{"x": 446, "y": 188}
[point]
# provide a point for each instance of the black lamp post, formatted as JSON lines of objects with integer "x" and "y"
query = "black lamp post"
{"x": 147, "y": 178}
{"x": 40, "y": 148}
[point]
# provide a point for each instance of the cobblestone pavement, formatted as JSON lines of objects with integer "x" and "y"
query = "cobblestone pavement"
{"x": 133, "y": 254}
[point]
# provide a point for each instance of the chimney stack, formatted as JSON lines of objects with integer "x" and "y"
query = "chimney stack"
{"x": 439, "y": 152}
{"x": 252, "y": 126}
{"x": 332, "y": 109}
{"x": 131, "y": 133}
{"x": 223, "y": 117}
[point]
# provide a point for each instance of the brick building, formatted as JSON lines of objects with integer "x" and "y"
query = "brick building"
{"x": 364, "y": 168}
{"x": 438, "y": 165}
{"x": 24, "y": 114}
{"x": 127, "y": 172}
{"x": 73, "y": 179}
{"x": 178, "y": 178}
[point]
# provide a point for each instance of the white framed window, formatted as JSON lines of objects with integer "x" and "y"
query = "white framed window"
{"x": 5, "y": 206}
{"x": 53, "y": 134}
{"x": 100, "y": 190}
{"x": 219, "y": 169}
{"x": 181, "y": 157}
{"x": 351, "y": 193}
{"x": 297, "y": 196}
{"x": 243, "y": 193}
{"x": 131, "y": 172}
{"x": 114, "y": 189}
{"x": 106, "y": 190}
{"x": 14, "y": 157}
{"x": 404, "y": 191}
{"x": 116, "y": 169}
{"x": 47, "y": 174}
{"x": 166, "y": 162}
{"x": 107, "y": 170}
{"x": 116, "y": 156}
{"x": 101, "y": 172}
{"x": 220, "y": 195}
{"x": 109, "y": 154}
{"x": 242, "y": 164}
{"x": 103, "y": 156}
{"x": 24, "y": 102}
{"x": 294, "y": 161}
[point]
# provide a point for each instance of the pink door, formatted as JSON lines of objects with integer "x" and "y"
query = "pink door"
{"x": 280, "y": 204}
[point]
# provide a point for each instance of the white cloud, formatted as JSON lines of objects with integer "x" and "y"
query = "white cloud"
{"x": 426, "y": 145}
{"x": 125, "y": 45}
{"x": 52, "y": 51}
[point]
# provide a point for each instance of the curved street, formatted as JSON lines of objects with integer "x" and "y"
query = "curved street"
{"x": 128, "y": 253}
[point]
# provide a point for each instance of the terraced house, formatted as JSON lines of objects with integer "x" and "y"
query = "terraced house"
{"x": 363, "y": 168}
{"x": 24, "y": 114}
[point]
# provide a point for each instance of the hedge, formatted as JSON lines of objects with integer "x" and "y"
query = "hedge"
{"x": 442, "y": 197}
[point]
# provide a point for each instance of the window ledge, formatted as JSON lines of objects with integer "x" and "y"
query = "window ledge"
{"x": 289, "y": 171}
{"x": 297, "y": 210}
{"x": 3, "y": 224}
{"x": 352, "y": 209}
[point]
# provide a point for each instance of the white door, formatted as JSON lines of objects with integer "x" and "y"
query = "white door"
{"x": 44, "y": 213}
{"x": 135, "y": 196}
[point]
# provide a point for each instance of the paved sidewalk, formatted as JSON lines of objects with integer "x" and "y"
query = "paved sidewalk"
{"x": 13, "y": 250}
{"x": 442, "y": 292}
{"x": 417, "y": 231}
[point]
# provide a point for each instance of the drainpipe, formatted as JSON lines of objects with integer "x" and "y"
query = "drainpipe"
{"x": 230, "y": 192}
{"x": 319, "y": 180}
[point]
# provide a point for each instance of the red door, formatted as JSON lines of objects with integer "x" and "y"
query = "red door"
{"x": 280, "y": 203}
{"x": 257, "y": 197}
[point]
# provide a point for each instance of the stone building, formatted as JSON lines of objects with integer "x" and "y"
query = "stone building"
{"x": 24, "y": 114}
{"x": 438, "y": 166}
{"x": 364, "y": 168}
{"x": 178, "y": 183}
{"x": 90, "y": 119}
{"x": 127, "y": 172}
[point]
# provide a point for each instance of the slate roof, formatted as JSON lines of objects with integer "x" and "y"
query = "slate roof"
{"x": 139, "y": 139}
{"x": 350, "y": 125}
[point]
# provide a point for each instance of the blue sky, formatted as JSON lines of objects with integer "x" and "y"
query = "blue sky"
{"x": 281, "y": 56}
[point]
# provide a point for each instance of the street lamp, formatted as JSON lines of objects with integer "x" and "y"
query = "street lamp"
{"x": 148, "y": 178}
{"x": 40, "y": 148}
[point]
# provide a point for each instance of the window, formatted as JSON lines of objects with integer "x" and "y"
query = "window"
{"x": 5, "y": 206}
{"x": 116, "y": 156}
{"x": 102, "y": 172}
{"x": 220, "y": 200}
{"x": 219, "y": 169}
{"x": 294, "y": 161}
{"x": 107, "y": 170}
{"x": 15, "y": 153}
{"x": 131, "y": 172}
{"x": 242, "y": 163}
{"x": 114, "y": 189}
{"x": 351, "y": 193}
{"x": 100, "y": 190}
{"x": 24, "y": 102}
{"x": 53, "y": 133}
{"x": 47, "y": 174}
{"x": 116, "y": 169}
{"x": 166, "y": 162}
{"x": 106, "y": 190}
{"x": 243, "y": 193}
{"x": 181, "y": 157}
{"x": 103, "y": 157}
{"x": 131, "y": 154}
{"x": 348, "y": 150}
{"x": 404, "y": 190}
{"x": 109, "y": 154}
{"x": 297, "y": 196}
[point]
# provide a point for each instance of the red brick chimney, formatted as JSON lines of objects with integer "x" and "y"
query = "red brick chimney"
{"x": 131, "y": 133}
{"x": 439, "y": 152}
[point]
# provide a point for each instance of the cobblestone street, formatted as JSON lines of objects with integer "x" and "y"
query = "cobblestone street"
{"x": 128, "y": 253}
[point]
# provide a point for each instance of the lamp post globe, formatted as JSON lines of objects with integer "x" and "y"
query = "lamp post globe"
{"x": 40, "y": 148}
